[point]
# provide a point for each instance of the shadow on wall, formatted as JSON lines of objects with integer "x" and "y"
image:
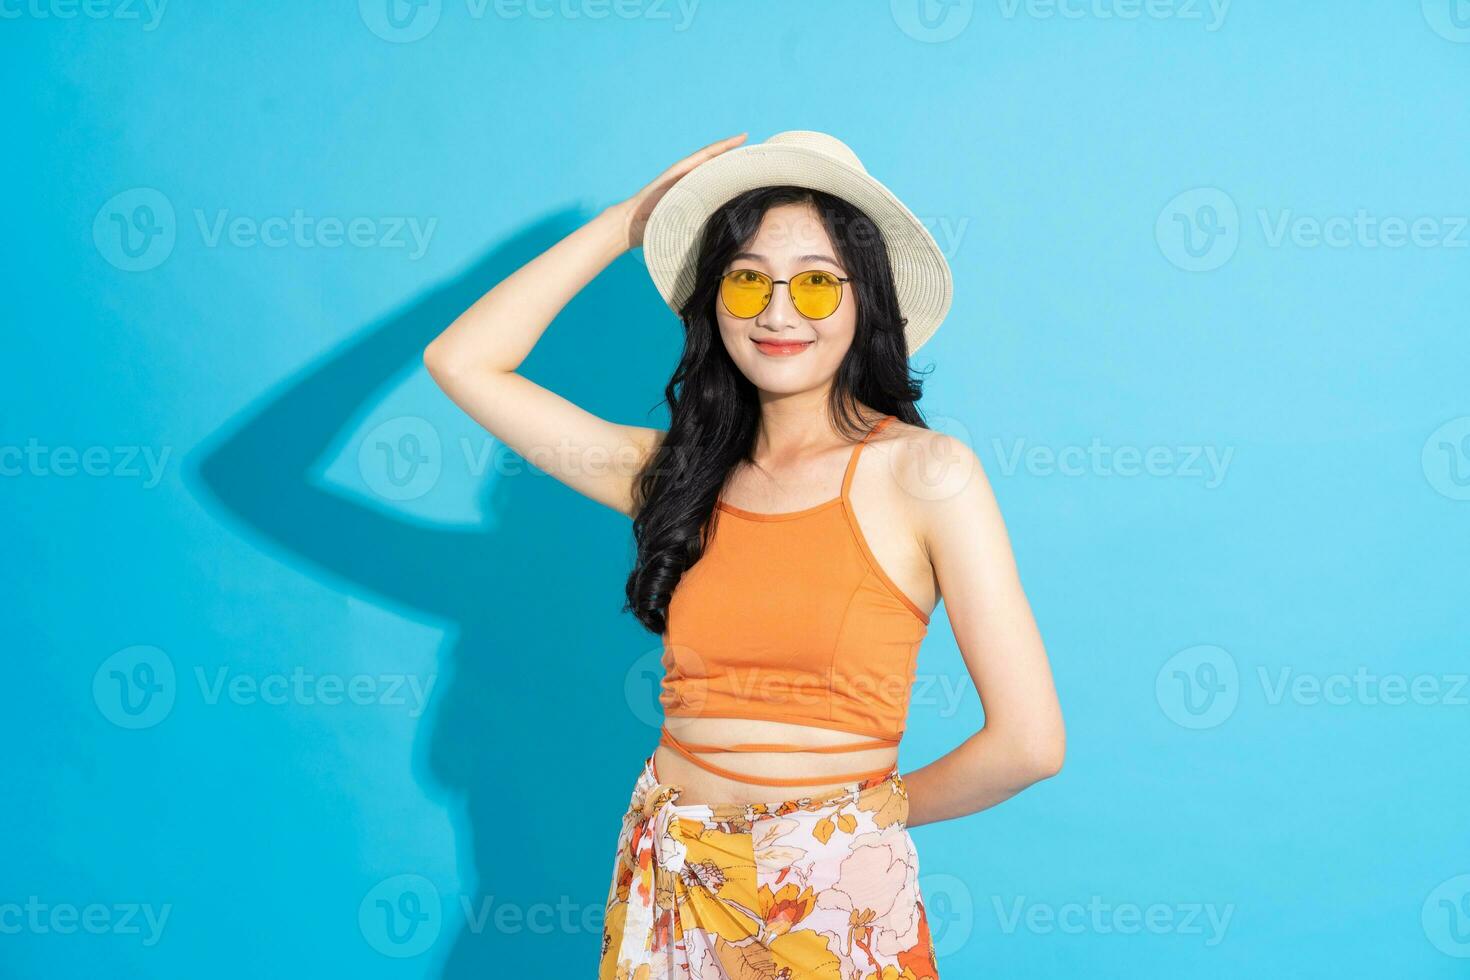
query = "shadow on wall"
{"x": 530, "y": 725}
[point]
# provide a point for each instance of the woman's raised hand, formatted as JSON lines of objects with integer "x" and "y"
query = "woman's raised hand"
{"x": 476, "y": 360}
{"x": 635, "y": 210}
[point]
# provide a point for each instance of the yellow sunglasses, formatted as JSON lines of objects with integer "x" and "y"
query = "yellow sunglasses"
{"x": 815, "y": 294}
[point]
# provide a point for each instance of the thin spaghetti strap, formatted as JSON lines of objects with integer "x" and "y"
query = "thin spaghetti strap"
{"x": 852, "y": 460}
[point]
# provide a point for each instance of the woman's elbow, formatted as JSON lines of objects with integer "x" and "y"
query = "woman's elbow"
{"x": 1042, "y": 756}
{"x": 436, "y": 361}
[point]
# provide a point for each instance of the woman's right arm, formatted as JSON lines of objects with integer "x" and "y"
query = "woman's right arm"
{"x": 476, "y": 359}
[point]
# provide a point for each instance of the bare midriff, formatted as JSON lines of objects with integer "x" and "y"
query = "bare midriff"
{"x": 830, "y": 769}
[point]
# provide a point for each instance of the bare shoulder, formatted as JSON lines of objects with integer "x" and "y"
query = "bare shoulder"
{"x": 937, "y": 474}
{"x": 929, "y": 464}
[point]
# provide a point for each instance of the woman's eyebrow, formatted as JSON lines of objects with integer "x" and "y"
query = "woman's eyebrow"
{"x": 800, "y": 258}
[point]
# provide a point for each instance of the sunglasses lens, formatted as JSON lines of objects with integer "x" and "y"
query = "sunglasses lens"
{"x": 745, "y": 292}
{"x": 816, "y": 294}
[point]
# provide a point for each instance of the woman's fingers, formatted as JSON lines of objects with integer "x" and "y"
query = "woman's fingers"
{"x": 641, "y": 205}
{"x": 700, "y": 156}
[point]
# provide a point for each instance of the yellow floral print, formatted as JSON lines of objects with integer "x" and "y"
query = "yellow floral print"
{"x": 805, "y": 889}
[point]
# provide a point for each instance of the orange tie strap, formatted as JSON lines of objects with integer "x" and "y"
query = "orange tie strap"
{"x": 687, "y": 750}
{"x": 877, "y": 743}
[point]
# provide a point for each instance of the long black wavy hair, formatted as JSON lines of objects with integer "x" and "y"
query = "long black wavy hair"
{"x": 713, "y": 409}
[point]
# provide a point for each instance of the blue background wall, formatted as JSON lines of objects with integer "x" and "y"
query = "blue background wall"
{"x": 337, "y": 654}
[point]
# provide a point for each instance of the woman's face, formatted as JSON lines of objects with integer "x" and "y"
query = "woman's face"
{"x": 779, "y": 350}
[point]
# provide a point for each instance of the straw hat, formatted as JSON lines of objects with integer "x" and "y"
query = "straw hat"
{"x": 805, "y": 159}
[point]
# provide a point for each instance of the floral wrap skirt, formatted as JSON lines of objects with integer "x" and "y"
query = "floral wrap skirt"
{"x": 813, "y": 887}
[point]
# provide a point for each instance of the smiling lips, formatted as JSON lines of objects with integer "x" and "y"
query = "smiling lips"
{"x": 782, "y": 348}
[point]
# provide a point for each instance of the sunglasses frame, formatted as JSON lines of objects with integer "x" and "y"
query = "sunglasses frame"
{"x": 841, "y": 292}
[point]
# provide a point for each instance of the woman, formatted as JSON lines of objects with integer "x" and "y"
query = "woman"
{"x": 796, "y": 526}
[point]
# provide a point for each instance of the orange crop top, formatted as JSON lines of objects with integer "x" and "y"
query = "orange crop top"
{"x": 788, "y": 617}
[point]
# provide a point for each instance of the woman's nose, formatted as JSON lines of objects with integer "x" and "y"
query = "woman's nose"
{"x": 780, "y": 311}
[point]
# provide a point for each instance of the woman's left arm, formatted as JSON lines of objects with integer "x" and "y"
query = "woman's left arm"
{"x": 1023, "y": 739}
